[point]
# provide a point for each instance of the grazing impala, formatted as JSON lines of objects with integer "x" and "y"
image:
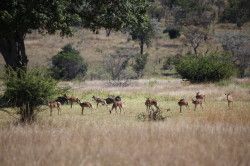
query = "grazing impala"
{"x": 85, "y": 104}
{"x": 72, "y": 100}
{"x": 54, "y": 104}
{"x": 197, "y": 102}
{"x": 115, "y": 105}
{"x": 181, "y": 103}
{"x": 99, "y": 101}
{"x": 200, "y": 96}
{"x": 229, "y": 99}
{"x": 149, "y": 102}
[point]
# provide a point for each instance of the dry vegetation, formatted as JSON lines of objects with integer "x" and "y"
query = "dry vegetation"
{"x": 215, "y": 136}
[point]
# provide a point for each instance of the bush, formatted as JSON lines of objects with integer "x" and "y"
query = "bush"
{"x": 209, "y": 68}
{"x": 154, "y": 115}
{"x": 28, "y": 90}
{"x": 173, "y": 32}
{"x": 139, "y": 65}
{"x": 68, "y": 64}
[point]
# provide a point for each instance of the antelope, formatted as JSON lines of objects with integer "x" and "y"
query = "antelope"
{"x": 181, "y": 103}
{"x": 200, "y": 96}
{"x": 112, "y": 99}
{"x": 54, "y": 104}
{"x": 85, "y": 104}
{"x": 98, "y": 101}
{"x": 115, "y": 105}
{"x": 149, "y": 102}
{"x": 72, "y": 100}
{"x": 62, "y": 100}
{"x": 229, "y": 99}
{"x": 197, "y": 102}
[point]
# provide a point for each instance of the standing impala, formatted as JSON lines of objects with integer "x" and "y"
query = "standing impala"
{"x": 200, "y": 96}
{"x": 229, "y": 99}
{"x": 72, "y": 100}
{"x": 181, "y": 103}
{"x": 54, "y": 104}
{"x": 85, "y": 105}
{"x": 197, "y": 102}
{"x": 151, "y": 102}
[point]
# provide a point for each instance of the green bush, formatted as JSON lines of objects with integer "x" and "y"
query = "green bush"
{"x": 208, "y": 68}
{"x": 28, "y": 90}
{"x": 68, "y": 64}
{"x": 173, "y": 31}
{"x": 139, "y": 65}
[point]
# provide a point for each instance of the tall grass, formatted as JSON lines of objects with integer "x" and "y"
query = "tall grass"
{"x": 215, "y": 136}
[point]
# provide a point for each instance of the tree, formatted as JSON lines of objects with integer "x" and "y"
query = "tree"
{"x": 68, "y": 64}
{"x": 144, "y": 31}
{"x": 195, "y": 37}
{"x": 115, "y": 64}
{"x": 19, "y": 17}
{"x": 26, "y": 91}
{"x": 237, "y": 11}
{"x": 239, "y": 45}
{"x": 156, "y": 11}
{"x": 140, "y": 63}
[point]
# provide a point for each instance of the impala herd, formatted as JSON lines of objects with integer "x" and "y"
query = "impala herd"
{"x": 116, "y": 102}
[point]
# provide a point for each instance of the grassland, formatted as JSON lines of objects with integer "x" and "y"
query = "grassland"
{"x": 215, "y": 136}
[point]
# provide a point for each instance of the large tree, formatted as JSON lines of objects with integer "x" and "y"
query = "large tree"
{"x": 19, "y": 17}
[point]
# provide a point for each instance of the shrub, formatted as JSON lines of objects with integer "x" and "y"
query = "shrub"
{"x": 173, "y": 31}
{"x": 27, "y": 91}
{"x": 209, "y": 68}
{"x": 139, "y": 65}
{"x": 154, "y": 115}
{"x": 68, "y": 64}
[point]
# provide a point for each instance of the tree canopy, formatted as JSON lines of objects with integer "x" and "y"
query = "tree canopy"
{"x": 19, "y": 17}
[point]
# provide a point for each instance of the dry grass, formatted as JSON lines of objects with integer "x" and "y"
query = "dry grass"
{"x": 214, "y": 136}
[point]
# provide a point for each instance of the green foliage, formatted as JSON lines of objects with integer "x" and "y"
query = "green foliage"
{"x": 212, "y": 67}
{"x": 237, "y": 11}
{"x": 68, "y": 64}
{"x": 140, "y": 62}
{"x": 173, "y": 32}
{"x": 144, "y": 31}
{"x": 19, "y": 17}
{"x": 28, "y": 90}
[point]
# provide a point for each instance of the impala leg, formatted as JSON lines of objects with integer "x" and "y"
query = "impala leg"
{"x": 180, "y": 109}
{"x": 50, "y": 111}
{"x": 82, "y": 110}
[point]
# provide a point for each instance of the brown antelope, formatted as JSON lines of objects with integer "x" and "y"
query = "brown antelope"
{"x": 229, "y": 99}
{"x": 54, "y": 104}
{"x": 72, "y": 100}
{"x": 85, "y": 104}
{"x": 149, "y": 102}
{"x": 200, "y": 96}
{"x": 99, "y": 101}
{"x": 197, "y": 102}
{"x": 181, "y": 103}
{"x": 115, "y": 105}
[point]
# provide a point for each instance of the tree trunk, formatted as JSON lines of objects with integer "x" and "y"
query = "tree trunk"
{"x": 13, "y": 51}
{"x": 27, "y": 113}
{"x": 142, "y": 46}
